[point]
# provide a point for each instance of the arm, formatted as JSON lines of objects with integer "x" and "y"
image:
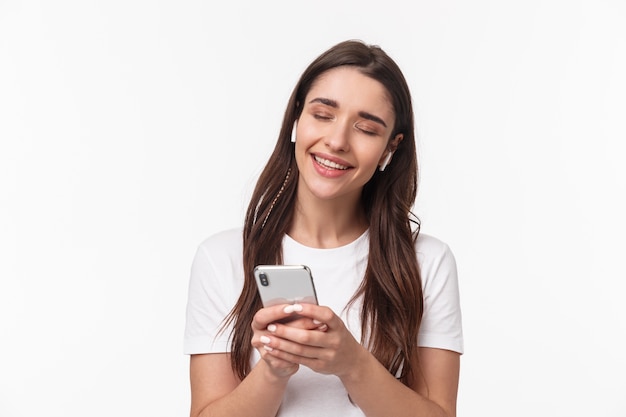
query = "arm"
{"x": 433, "y": 393}
{"x": 216, "y": 391}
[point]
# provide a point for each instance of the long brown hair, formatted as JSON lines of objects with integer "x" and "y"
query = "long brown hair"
{"x": 391, "y": 288}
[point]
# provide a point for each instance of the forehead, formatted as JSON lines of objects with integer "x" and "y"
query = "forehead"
{"x": 350, "y": 88}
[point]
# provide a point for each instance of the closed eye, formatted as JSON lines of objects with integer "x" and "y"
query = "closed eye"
{"x": 368, "y": 131}
{"x": 322, "y": 117}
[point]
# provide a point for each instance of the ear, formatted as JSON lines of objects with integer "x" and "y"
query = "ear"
{"x": 393, "y": 143}
{"x": 391, "y": 148}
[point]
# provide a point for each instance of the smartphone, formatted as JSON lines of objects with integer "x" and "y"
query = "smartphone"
{"x": 285, "y": 284}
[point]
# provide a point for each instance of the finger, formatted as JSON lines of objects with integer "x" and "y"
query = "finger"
{"x": 301, "y": 323}
{"x": 320, "y": 315}
{"x": 322, "y": 327}
{"x": 277, "y": 364}
{"x": 276, "y": 313}
{"x": 287, "y": 350}
{"x": 297, "y": 336}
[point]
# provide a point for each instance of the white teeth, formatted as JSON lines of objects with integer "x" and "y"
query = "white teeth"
{"x": 329, "y": 164}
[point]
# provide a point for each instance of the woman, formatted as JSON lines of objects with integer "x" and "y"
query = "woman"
{"x": 386, "y": 337}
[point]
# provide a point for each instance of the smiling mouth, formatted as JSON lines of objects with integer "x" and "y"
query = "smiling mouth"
{"x": 329, "y": 164}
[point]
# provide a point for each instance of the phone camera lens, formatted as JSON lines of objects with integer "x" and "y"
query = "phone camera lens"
{"x": 263, "y": 278}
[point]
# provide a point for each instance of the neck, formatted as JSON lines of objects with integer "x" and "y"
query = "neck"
{"x": 327, "y": 223}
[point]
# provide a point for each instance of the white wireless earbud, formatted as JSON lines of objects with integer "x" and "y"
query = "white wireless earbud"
{"x": 293, "y": 132}
{"x": 385, "y": 162}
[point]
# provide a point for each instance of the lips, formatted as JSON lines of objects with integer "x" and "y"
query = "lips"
{"x": 328, "y": 164}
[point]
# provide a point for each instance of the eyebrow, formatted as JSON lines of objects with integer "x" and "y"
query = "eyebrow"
{"x": 363, "y": 114}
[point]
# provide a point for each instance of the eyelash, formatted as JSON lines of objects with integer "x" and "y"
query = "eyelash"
{"x": 365, "y": 131}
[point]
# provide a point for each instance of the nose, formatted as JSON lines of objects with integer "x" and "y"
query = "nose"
{"x": 338, "y": 137}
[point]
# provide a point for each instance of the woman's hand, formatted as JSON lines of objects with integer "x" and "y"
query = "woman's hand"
{"x": 318, "y": 339}
{"x": 266, "y": 320}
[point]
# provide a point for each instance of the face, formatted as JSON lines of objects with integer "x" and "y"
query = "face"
{"x": 343, "y": 134}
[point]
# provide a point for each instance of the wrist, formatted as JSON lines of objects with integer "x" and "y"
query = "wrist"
{"x": 359, "y": 367}
{"x": 278, "y": 378}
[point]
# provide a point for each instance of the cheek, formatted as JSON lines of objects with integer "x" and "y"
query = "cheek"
{"x": 301, "y": 148}
{"x": 371, "y": 155}
{"x": 308, "y": 133}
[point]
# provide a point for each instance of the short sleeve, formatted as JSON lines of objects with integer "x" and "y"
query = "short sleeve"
{"x": 214, "y": 286}
{"x": 441, "y": 322}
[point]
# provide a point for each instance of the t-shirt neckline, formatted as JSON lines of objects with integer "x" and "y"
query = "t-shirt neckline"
{"x": 291, "y": 242}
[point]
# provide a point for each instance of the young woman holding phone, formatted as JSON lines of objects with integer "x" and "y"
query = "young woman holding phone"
{"x": 336, "y": 195}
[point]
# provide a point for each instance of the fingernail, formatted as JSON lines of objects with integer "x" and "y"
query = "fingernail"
{"x": 297, "y": 307}
{"x": 264, "y": 339}
{"x": 288, "y": 309}
{"x": 316, "y": 322}
{"x": 271, "y": 328}
{"x": 269, "y": 349}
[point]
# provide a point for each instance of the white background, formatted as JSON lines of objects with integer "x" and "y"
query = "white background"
{"x": 131, "y": 130}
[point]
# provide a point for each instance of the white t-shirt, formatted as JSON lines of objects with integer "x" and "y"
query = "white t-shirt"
{"x": 217, "y": 278}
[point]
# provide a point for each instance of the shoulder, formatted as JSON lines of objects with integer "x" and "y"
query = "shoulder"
{"x": 429, "y": 247}
{"x": 221, "y": 250}
{"x": 219, "y": 255}
{"x": 435, "y": 259}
